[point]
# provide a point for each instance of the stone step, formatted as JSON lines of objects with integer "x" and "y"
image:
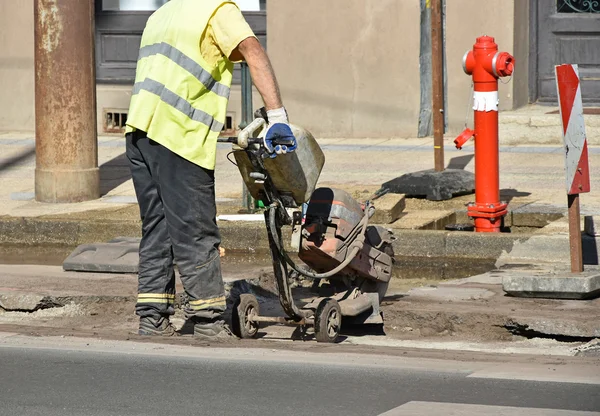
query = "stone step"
{"x": 537, "y": 124}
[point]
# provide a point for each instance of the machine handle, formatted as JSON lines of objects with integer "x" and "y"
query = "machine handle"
{"x": 234, "y": 140}
{"x": 243, "y": 139}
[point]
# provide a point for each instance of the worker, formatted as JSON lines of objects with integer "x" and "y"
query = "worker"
{"x": 177, "y": 111}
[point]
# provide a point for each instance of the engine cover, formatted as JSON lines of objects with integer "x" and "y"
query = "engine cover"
{"x": 331, "y": 225}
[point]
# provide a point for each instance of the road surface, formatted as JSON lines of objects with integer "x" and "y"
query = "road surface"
{"x": 54, "y": 376}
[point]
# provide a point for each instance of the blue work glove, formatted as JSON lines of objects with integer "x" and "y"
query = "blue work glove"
{"x": 279, "y": 138}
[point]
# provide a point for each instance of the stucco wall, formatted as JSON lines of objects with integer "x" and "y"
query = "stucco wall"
{"x": 351, "y": 68}
{"x": 496, "y": 20}
{"x": 347, "y": 68}
{"x": 16, "y": 66}
{"x": 521, "y": 53}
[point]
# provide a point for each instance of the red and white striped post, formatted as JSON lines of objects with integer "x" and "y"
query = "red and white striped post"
{"x": 576, "y": 153}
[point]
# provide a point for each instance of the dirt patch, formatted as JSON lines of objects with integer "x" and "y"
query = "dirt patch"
{"x": 407, "y": 318}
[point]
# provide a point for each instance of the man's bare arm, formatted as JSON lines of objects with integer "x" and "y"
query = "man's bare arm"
{"x": 261, "y": 71}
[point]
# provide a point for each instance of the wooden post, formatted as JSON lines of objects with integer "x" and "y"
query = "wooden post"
{"x": 575, "y": 234}
{"x": 437, "y": 73}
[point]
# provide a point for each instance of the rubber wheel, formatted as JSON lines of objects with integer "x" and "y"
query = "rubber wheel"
{"x": 328, "y": 321}
{"x": 241, "y": 326}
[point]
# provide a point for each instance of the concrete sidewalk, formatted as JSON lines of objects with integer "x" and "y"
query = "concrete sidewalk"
{"x": 531, "y": 162}
{"x": 530, "y": 174}
{"x": 531, "y": 180}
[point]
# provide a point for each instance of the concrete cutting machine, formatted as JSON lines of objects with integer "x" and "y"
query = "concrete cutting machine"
{"x": 349, "y": 260}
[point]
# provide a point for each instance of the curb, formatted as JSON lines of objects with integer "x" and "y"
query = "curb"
{"x": 251, "y": 237}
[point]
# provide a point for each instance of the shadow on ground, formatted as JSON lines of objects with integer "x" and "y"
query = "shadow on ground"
{"x": 114, "y": 173}
{"x": 460, "y": 162}
{"x": 508, "y": 195}
{"x": 13, "y": 161}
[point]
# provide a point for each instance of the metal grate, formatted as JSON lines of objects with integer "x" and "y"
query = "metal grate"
{"x": 229, "y": 127}
{"x": 114, "y": 121}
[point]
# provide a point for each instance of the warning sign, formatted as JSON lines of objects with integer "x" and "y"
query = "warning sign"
{"x": 575, "y": 141}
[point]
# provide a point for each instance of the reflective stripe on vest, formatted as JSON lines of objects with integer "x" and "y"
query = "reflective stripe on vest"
{"x": 169, "y": 97}
{"x": 186, "y": 63}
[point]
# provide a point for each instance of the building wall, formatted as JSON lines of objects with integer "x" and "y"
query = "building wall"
{"x": 346, "y": 69}
{"x": 16, "y": 66}
{"x": 17, "y": 88}
{"x": 497, "y": 19}
{"x": 521, "y": 54}
{"x": 351, "y": 69}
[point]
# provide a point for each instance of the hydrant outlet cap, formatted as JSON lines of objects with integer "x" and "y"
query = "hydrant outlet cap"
{"x": 503, "y": 64}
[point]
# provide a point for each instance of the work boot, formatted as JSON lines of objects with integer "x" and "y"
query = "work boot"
{"x": 157, "y": 327}
{"x": 212, "y": 330}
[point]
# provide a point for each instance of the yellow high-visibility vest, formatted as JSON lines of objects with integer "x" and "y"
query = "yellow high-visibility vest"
{"x": 178, "y": 99}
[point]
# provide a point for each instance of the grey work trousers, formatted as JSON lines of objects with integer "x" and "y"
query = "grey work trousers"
{"x": 178, "y": 210}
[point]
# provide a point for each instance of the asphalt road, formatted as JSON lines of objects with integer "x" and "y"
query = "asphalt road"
{"x": 131, "y": 381}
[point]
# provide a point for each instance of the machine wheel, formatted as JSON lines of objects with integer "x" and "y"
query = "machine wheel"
{"x": 328, "y": 321}
{"x": 245, "y": 307}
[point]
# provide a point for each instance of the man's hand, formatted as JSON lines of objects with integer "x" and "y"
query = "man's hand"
{"x": 279, "y": 138}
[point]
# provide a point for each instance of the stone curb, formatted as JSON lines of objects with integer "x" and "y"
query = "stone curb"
{"x": 252, "y": 236}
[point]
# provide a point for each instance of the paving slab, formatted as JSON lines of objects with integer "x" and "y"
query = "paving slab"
{"x": 552, "y": 285}
{"x": 491, "y": 278}
{"x": 424, "y": 220}
{"x": 119, "y": 255}
{"x": 451, "y": 294}
{"x": 536, "y": 215}
{"x": 388, "y": 208}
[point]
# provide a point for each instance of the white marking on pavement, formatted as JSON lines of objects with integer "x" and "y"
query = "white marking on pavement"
{"x": 533, "y": 346}
{"x": 457, "y": 409}
{"x": 548, "y": 373}
{"x": 241, "y": 217}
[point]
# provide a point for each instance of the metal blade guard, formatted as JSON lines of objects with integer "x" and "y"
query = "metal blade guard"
{"x": 294, "y": 175}
{"x": 332, "y": 223}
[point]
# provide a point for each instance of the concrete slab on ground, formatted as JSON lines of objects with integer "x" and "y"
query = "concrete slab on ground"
{"x": 536, "y": 215}
{"x": 424, "y": 220}
{"x": 552, "y": 285}
{"x": 117, "y": 256}
{"x": 388, "y": 208}
{"x": 451, "y": 293}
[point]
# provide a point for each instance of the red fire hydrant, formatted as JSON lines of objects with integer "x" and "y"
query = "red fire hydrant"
{"x": 486, "y": 65}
